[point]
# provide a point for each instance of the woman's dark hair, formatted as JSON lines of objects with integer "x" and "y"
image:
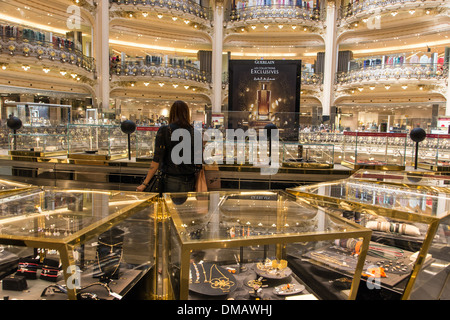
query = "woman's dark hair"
{"x": 179, "y": 114}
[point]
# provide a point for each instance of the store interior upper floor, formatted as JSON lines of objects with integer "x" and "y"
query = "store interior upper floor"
{"x": 391, "y": 53}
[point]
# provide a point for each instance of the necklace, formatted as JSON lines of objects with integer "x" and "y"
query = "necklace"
{"x": 197, "y": 273}
{"x": 204, "y": 272}
{"x": 329, "y": 259}
{"x": 223, "y": 283}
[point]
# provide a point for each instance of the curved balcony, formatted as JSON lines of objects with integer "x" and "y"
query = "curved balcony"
{"x": 368, "y": 7}
{"x": 276, "y": 13}
{"x": 186, "y": 7}
{"x": 417, "y": 71}
{"x": 161, "y": 72}
{"x": 43, "y": 50}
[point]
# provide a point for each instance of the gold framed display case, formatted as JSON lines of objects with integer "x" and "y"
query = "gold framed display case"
{"x": 416, "y": 178}
{"x": 96, "y": 142}
{"x": 259, "y": 244}
{"x": 300, "y": 155}
{"x": 77, "y": 244}
{"x": 9, "y": 186}
{"x": 145, "y": 142}
{"x": 374, "y": 150}
{"x": 34, "y": 145}
{"x": 434, "y": 153}
{"x": 407, "y": 221}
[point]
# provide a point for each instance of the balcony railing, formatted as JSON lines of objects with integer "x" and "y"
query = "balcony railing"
{"x": 367, "y": 6}
{"x": 276, "y": 11}
{"x": 44, "y": 50}
{"x": 185, "y": 6}
{"x": 165, "y": 70}
{"x": 432, "y": 71}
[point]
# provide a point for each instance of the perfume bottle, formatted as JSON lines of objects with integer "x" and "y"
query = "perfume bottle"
{"x": 263, "y": 102}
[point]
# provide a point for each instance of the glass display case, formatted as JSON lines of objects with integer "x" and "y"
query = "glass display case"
{"x": 59, "y": 244}
{"x": 96, "y": 142}
{"x": 34, "y": 114}
{"x": 417, "y": 178}
{"x": 301, "y": 155}
{"x": 9, "y": 186}
{"x": 434, "y": 153}
{"x": 37, "y": 144}
{"x": 407, "y": 222}
{"x": 145, "y": 142}
{"x": 260, "y": 245}
{"x": 374, "y": 150}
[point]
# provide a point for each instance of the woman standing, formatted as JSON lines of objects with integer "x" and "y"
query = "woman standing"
{"x": 176, "y": 177}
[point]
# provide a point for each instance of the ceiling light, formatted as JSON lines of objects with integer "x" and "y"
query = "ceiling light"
{"x": 63, "y": 73}
{"x": 387, "y": 87}
{"x": 175, "y": 86}
{"x": 186, "y": 21}
{"x": 280, "y": 26}
{"x": 4, "y": 67}
{"x": 145, "y": 14}
{"x": 372, "y": 87}
{"x": 186, "y": 87}
{"x": 360, "y": 89}
{"x": 294, "y": 27}
{"x": 161, "y": 84}
{"x": 132, "y": 84}
{"x": 266, "y": 26}
{"x": 174, "y": 18}
{"x": 404, "y": 86}
{"x": 74, "y": 75}
{"x": 146, "y": 84}
{"x": 46, "y": 70}
{"x": 26, "y": 68}
{"x": 253, "y": 27}
{"x": 160, "y": 16}
{"x": 394, "y": 13}
{"x": 412, "y": 11}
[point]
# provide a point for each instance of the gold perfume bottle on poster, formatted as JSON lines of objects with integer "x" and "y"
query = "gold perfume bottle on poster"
{"x": 263, "y": 102}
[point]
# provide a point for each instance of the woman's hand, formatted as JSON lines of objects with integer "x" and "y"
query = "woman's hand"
{"x": 141, "y": 188}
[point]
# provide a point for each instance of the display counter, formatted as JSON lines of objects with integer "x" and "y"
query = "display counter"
{"x": 434, "y": 153}
{"x": 96, "y": 142}
{"x": 374, "y": 150}
{"x": 37, "y": 145}
{"x": 145, "y": 142}
{"x": 303, "y": 155}
{"x": 410, "y": 225}
{"x": 60, "y": 244}
{"x": 260, "y": 245}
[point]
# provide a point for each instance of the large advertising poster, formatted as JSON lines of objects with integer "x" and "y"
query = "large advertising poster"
{"x": 263, "y": 92}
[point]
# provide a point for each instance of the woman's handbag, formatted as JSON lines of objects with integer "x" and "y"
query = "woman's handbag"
{"x": 156, "y": 183}
{"x": 200, "y": 181}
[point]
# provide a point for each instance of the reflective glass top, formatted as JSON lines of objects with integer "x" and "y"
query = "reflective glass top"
{"x": 220, "y": 215}
{"x": 431, "y": 202}
{"x": 51, "y": 214}
{"x": 8, "y": 185}
{"x": 404, "y": 177}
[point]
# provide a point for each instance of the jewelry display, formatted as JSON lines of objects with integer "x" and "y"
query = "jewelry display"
{"x": 385, "y": 251}
{"x": 288, "y": 289}
{"x": 109, "y": 254}
{"x": 273, "y": 269}
{"x": 389, "y": 227}
{"x": 213, "y": 280}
